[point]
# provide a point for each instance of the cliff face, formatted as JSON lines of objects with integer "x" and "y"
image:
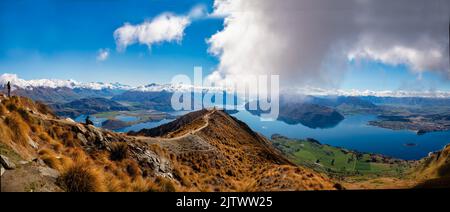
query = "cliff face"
{"x": 206, "y": 150}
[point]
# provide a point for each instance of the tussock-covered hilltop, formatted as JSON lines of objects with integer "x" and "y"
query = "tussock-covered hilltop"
{"x": 434, "y": 171}
{"x": 203, "y": 151}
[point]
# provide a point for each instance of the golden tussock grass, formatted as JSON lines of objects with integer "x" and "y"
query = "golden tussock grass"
{"x": 44, "y": 109}
{"x": 3, "y": 110}
{"x": 45, "y": 137}
{"x": 18, "y": 127}
{"x": 133, "y": 169}
{"x": 54, "y": 161}
{"x": 165, "y": 185}
{"x": 57, "y": 146}
{"x": 82, "y": 178}
{"x": 119, "y": 151}
{"x": 67, "y": 138}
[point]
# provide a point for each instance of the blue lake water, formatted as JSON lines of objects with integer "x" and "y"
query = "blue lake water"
{"x": 127, "y": 118}
{"x": 144, "y": 125}
{"x": 354, "y": 133}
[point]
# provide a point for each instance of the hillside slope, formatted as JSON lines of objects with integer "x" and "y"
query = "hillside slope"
{"x": 210, "y": 142}
{"x": 434, "y": 171}
{"x": 202, "y": 151}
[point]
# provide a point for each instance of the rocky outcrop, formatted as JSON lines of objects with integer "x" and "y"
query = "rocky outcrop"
{"x": 149, "y": 160}
{"x": 6, "y": 163}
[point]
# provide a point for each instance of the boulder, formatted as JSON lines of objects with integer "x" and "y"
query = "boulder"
{"x": 6, "y": 162}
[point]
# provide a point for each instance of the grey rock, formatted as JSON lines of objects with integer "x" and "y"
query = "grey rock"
{"x": 96, "y": 132}
{"x": 82, "y": 138}
{"x": 81, "y": 128}
{"x": 160, "y": 166}
{"x": 49, "y": 172}
{"x": 2, "y": 170}
{"x": 39, "y": 161}
{"x": 23, "y": 162}
{"x": 6, "y": 162}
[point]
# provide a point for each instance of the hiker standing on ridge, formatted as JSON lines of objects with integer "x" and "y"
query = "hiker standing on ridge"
{"x": 8, "y": 86}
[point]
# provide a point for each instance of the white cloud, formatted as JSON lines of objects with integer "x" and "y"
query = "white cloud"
{"x": 310, "y": 41}
{"x": 166, "y": 27}
{"x": 417, "y": 60}
{"x": 102, "y": 54}
{"x": 198, "y": 11}
{"x": 316, "y": 91}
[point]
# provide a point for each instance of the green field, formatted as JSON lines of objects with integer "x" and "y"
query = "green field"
{"x": 338, "y": 161}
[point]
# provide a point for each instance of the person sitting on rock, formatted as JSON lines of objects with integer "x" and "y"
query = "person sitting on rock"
{"x": 88, "y": 121}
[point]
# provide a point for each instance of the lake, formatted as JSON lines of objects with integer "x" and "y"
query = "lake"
{"x": 354, "y": 133}
{"x": 351, "y": 133}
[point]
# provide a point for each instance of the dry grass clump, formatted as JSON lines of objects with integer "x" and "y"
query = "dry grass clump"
{"x": 82, "y": 178}
{"x": 119, "y": 151}
{"x": 68, "y": 139}
{"x": 3, "y": 110}
{"x": 44, "y": 109}
{"x": 133, "y": 169}
{"x": 18, "y": 127}
{"x": 54, "y": 161}
{"x": 165, "y": 185}
{"x": 11, "y": 107}
{"x": 25, "y": 115}
{"x": 140, "y": 184}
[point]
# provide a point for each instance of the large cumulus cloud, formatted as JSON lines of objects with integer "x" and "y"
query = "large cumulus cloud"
{"x": 311, "y": 41}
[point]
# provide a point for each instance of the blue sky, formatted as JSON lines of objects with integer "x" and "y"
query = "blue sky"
{"x": 61, "y": 39}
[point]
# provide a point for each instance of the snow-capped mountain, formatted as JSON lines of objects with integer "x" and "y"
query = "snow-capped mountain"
{"x": 72, "y": 84}
{"x": 57, "y": 83}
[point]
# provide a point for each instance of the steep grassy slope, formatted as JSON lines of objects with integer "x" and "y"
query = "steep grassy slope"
{"x": 212, "y": 143}
{"x": 434, "y": 170}
{"x": 56, "y": 154}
